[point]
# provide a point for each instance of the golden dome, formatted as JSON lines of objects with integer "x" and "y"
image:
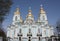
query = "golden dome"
{"x": 17, "y": 11}
{"x": 29, "y": 14}
{"x": 42, "y": 10}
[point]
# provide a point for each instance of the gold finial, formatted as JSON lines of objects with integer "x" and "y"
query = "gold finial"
{"x": 42, "y": 10}
{"x": 29, "y": 9}
{"x": 41, "y": 5}
{"x": 30, "y": 12}
{"x": 17, "y": 11}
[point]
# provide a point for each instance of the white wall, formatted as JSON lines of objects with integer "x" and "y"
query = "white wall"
{"x": 0, "y": 38}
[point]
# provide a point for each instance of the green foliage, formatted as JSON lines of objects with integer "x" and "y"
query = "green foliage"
{"x": 4, "y": 8}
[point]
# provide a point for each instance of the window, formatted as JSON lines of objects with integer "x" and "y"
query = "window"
{"x": 16, "y": 18}
{"x": 43, "y": 18}
{"x": 47, "y": 32}
{"x": 20, "y": 31}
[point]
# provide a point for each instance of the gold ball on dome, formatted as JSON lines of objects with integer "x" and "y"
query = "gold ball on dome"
{"x": 29, "y": 14}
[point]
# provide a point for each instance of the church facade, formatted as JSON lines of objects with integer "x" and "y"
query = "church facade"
{"x": 29, "y": 29}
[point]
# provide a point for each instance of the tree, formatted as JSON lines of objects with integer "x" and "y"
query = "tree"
{"x": 58, "y": 26}
{"x": 4, "y": 9}
{"x": 58, "y": 29}
{"x": 3, "y": 35}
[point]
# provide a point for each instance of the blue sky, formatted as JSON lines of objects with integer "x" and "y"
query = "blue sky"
{"x": 52, "y": 8}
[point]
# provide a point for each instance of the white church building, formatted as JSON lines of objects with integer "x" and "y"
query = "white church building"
{"x": 29, "y": 29}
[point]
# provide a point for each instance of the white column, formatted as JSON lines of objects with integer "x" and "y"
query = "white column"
{"x": 53, "y": 38}
{"x": 43, "y": 39}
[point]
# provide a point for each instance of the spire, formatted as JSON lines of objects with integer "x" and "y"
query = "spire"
{"x": 29, "y": 9}
{"x": 30, "y": 12}
{"x": 42, "y": 10}
{"x": 29, "y": 17}
{"x": 17, "y": 11}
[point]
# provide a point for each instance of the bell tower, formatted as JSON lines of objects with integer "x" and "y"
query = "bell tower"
{"x": 42, "y": 19}
{"x": 29, "y": 17}
{"x": 17, "y": 18}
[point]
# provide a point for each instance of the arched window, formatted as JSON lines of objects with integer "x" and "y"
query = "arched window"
{"x": 20, "y": 31}
{"x": 16, "y": 18}
{"x": 43, "y": 18}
